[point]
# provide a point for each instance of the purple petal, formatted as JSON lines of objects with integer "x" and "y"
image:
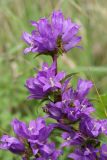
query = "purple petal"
{"x": 68, "y": 35}
{"x": 75, "y": 40}
{"x": 60, "y": 76}
{"x": 46, "y": 87}
{"x": 27, "y": 38}
{"x": 57, "y": 23}
{"x": 83, "y": 87}
{"x": 12, "y": 144}
{"x": 75, "y": 156}
{"x": 20, "y": 128}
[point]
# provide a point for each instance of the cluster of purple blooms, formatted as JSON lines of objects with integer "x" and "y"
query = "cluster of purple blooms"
{"x": 70, "y": 108}
{"x": 58, "y": 35}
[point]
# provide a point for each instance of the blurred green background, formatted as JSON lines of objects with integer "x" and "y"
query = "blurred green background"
{"x": 90, "y": 62}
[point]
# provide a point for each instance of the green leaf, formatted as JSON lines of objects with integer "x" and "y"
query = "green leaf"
{"x": 38, "y": 54}
{"x": 69, "y": 76}
{"x": 101, "y": 106}
{"x": 103, "y": 139}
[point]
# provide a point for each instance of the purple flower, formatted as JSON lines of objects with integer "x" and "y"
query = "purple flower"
{"x": 72, "y": 139}
{"x": 103, "y": 152}
{"x": 80, "y": 109}
{"x": 76, "y": 97}
{"x": 72, "y": 105}
{"x": 44, "y": 82}
{"x": 82, "y": 90}
{"x": 53, "y": 111}
{"x": 58, "y": 35}
{"x": 82, "y": 146}
{"x": 66, "y": 114}
{"x": 49, "y": 151}
{"x": 31, "y": 140}
{"x": 103, "y": 126}
{"x": 83, "y": 87}
{"x": 84, "y": 154}
{"x": 37, "y": 131}
{"x": 90, "y": 127}
{"x": 12, "y": 144}
{"x": 36, "y": 134}
{"x": 35, "y": 90}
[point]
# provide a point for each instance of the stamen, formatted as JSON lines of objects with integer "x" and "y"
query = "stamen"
{"x": 30, "y": 128}
{"x": 52, "y": 82}
{"x": 69, "y": 138}
{"x": 71, "y": 112}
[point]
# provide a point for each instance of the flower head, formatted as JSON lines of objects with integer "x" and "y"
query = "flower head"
{"x": 49, "y": 152}
{"x": 58, "y": 35}
{"x": 103, "y": 126}
{"x": 12, "y": 144}
{"x": 37, "y": 130}
{"x": 84, "y": 154}
{"x": 83, "y": 88}
{"x": 103, "y": 152}
{"x": 44, "y": 82}
{"x": 73, "y": 104}
{"x": 72, "y": 138}
{"x": 90, "y": 127}
{"x": 31, "y": 140}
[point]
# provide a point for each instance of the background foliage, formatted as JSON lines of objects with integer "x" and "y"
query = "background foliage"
{"x": 90, "y": 62}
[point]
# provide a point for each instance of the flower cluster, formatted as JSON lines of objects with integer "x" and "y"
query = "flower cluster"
{"x": 72, "y": 104}
{"x": 45, "y": 82}
{"x": 70, "y": 108}
{"x": 31, "y": 141}
{"x": 58, "y": 35}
